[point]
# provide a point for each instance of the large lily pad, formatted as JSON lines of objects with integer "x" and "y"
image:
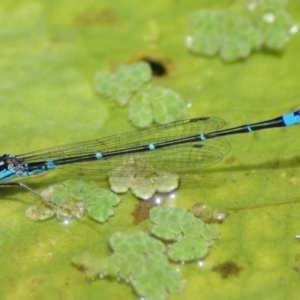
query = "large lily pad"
{"x": 49, "y": 55}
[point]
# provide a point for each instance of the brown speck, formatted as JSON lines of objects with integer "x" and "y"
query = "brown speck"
{"x": 35, "y": 285}
{"x": 227, "y": 269}
{"x": 141, "y": 212}
{"x": 67, "y": 281}
{"x": 95, "y": 17}
{"x": 297, "y": 269}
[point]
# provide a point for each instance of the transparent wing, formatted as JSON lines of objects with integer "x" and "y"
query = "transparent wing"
{"x": 180, "y": 158}
{"x": 172, "y": 158}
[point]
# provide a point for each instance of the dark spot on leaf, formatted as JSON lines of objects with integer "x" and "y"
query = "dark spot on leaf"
{"x": 227, "y": 269}
{"x": 141, "y": 212}
{"x": 158, "y": 67}
{"x": 95, "y": 17}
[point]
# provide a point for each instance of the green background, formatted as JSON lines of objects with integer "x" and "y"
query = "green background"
{"x": 49, "y": 54}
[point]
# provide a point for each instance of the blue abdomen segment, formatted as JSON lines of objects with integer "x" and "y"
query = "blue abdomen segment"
{"x": 99, "y": 155}
{"x": 292, "y": 118}
{"x": 7, "y": 175}
{"x": 12, "y": 171}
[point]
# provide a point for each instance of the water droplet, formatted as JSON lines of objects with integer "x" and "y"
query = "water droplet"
{"x": 297, "y": 236}
{"x": 200, "y": 263}
{"x": 64, "y": 216}
{"x": 162, "y": 198}
{"x": 201, "y": 211}
{"x": 189, "y": 41}
{"x": 269, "y": 18}
{"x": 294, "y": 29}
{"x": 219, "y": 214}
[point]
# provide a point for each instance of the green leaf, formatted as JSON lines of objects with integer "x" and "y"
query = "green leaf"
{"x": 188, "y": 249}
{"x": 140, "y": 111}
{"x": 100, "y": 204}
{"x": 138, "y": 260}
{"x": 50, "y": 52}
{"x": 123, "y": 83}
{"x": 167, "y": 105}
{"x": 240, "y": 29}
